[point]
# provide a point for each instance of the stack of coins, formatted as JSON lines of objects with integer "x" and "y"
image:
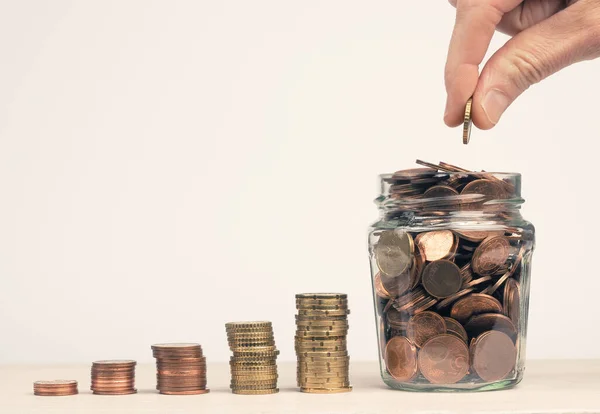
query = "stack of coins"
{"x": 113, "y": 377}
{"x": 55, "y": 388}
{"x": 181, "y": 369}
{"x": 321, "y": 329}
{"x": 254, "y": 360}
{"x": 449, "y": 298}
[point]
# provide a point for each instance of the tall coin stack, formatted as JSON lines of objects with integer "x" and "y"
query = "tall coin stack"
{"x": 254, "y": 360}
{"x": 181, "y": 369}
{"x": 322, "y": 326}
{"x": 113, "y": 377}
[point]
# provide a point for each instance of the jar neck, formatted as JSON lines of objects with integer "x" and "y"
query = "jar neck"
{"x": 441, "y": 219}
{"x": 451, "y": 198}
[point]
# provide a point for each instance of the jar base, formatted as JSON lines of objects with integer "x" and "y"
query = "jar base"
{"x": 458, "y": 387}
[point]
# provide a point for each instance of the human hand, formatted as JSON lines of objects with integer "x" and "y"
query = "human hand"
{"x": 548, "y": 35}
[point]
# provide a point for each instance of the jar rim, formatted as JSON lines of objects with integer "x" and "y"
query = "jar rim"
{"x": 474, "y": 173}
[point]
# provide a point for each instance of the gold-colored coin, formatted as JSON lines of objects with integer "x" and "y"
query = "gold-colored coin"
{"x": 321, "y": 296}
{"x": 256, "y": 392}
{"x": 467, "y": 122}
{"x": 326, "y": 390}
{"x": 323, "y": 322}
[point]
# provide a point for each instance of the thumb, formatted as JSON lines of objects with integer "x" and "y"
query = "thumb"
{"x": 567, "y": 37}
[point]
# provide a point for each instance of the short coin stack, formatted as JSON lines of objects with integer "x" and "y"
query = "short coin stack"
{"x": 254, "y": 360}
{"x": 181, "y": 369}
{"x": 113, "y": 377}
{"x": 322, "y": 326}
{"x": 55, "y": 388}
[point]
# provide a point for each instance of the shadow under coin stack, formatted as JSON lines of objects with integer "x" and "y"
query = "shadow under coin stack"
{"x": 254, "y": 360}
{"x": 56, "y": 388}
{"x": 322, "y": 326}
{"x": 113, "y": 377}
{"x": 181, "y": 369}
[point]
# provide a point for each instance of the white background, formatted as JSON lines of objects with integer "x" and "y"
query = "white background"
{"x": 168, "y": 166}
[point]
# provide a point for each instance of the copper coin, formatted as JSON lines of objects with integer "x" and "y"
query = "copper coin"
{"x": 401, "y": 358}
{"x": 440, "y": 191}
{"x": 479, "y": 282}
{"x": 491, "y": 255}
{"x": 466, "y": 274}
{"x": 442, "y": 278}
{"x": 178, "y": 346}
{"x": 493, "y": 288}
{"x": 393, "y": 252}
{"x": 110, "y": 363}
{"x": 396, "y": 318}
{"x": 423, "y": 305}
{"x": 397, "y": 285}
{"x": 454, "y": 327}
{"x": 410, "y": 296}
{"x": 444, "y": 359}
{"x": 490, "y": 189}
{"x": 451, "y": 299}
{"x": 379, "y": 288}
{"x": 193, "y": 392}
{"x": 491, "y": 321}
{"x": 477, "y": 236}
{"x": 474, "y": 304}
{"x": 55, "y": 383}
{"x": 436, "y": 245}
{"x": 414, "y": 173}
{"x": 423, "y": 326}
{"x": 494, "y": 356}
{"x": 416, "y": 270}
{"x": 512, "y": 301}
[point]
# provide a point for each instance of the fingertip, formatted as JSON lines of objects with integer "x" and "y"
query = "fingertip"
{"x": 452, "y": 119}
{"x": 452, "y": 2}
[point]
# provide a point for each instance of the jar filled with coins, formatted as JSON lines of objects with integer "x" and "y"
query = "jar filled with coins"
{"x": 450, "y": 263}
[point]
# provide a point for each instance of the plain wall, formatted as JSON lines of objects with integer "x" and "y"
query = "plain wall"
{"x": 168, "y": 166}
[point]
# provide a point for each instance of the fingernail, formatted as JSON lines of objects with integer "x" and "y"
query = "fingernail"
{"x": 494, "y": 104}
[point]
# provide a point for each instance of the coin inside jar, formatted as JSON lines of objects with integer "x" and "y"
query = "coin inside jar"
{"x": 397, "y": 285}
{"x": 489, "y": 189}
{"x": 455, "y": 328}
{"x": 401, "y": 358}
{"x": 444, "y": 359}
{"x": 494, "y": 355}
{"x": 512, "y": 300}
{"x": 490, "y": 321}
{"x": 393, "y": 252}
{"x": 491, "y": 255}
{"x": 474, "y": 304}
{"x": 423, "y": 326}
{"x": 442, "y": 278}
{"x": 440, "y": 191}
{"x": 436, "y": 245}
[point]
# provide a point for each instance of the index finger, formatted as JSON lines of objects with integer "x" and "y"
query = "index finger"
{"x": 476, "y": 22}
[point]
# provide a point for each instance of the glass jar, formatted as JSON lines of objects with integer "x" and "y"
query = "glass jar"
{"x": 450, "y": 266}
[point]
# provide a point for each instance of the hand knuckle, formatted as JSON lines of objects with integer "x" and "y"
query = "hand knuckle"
{"x": 527, "y": 68}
